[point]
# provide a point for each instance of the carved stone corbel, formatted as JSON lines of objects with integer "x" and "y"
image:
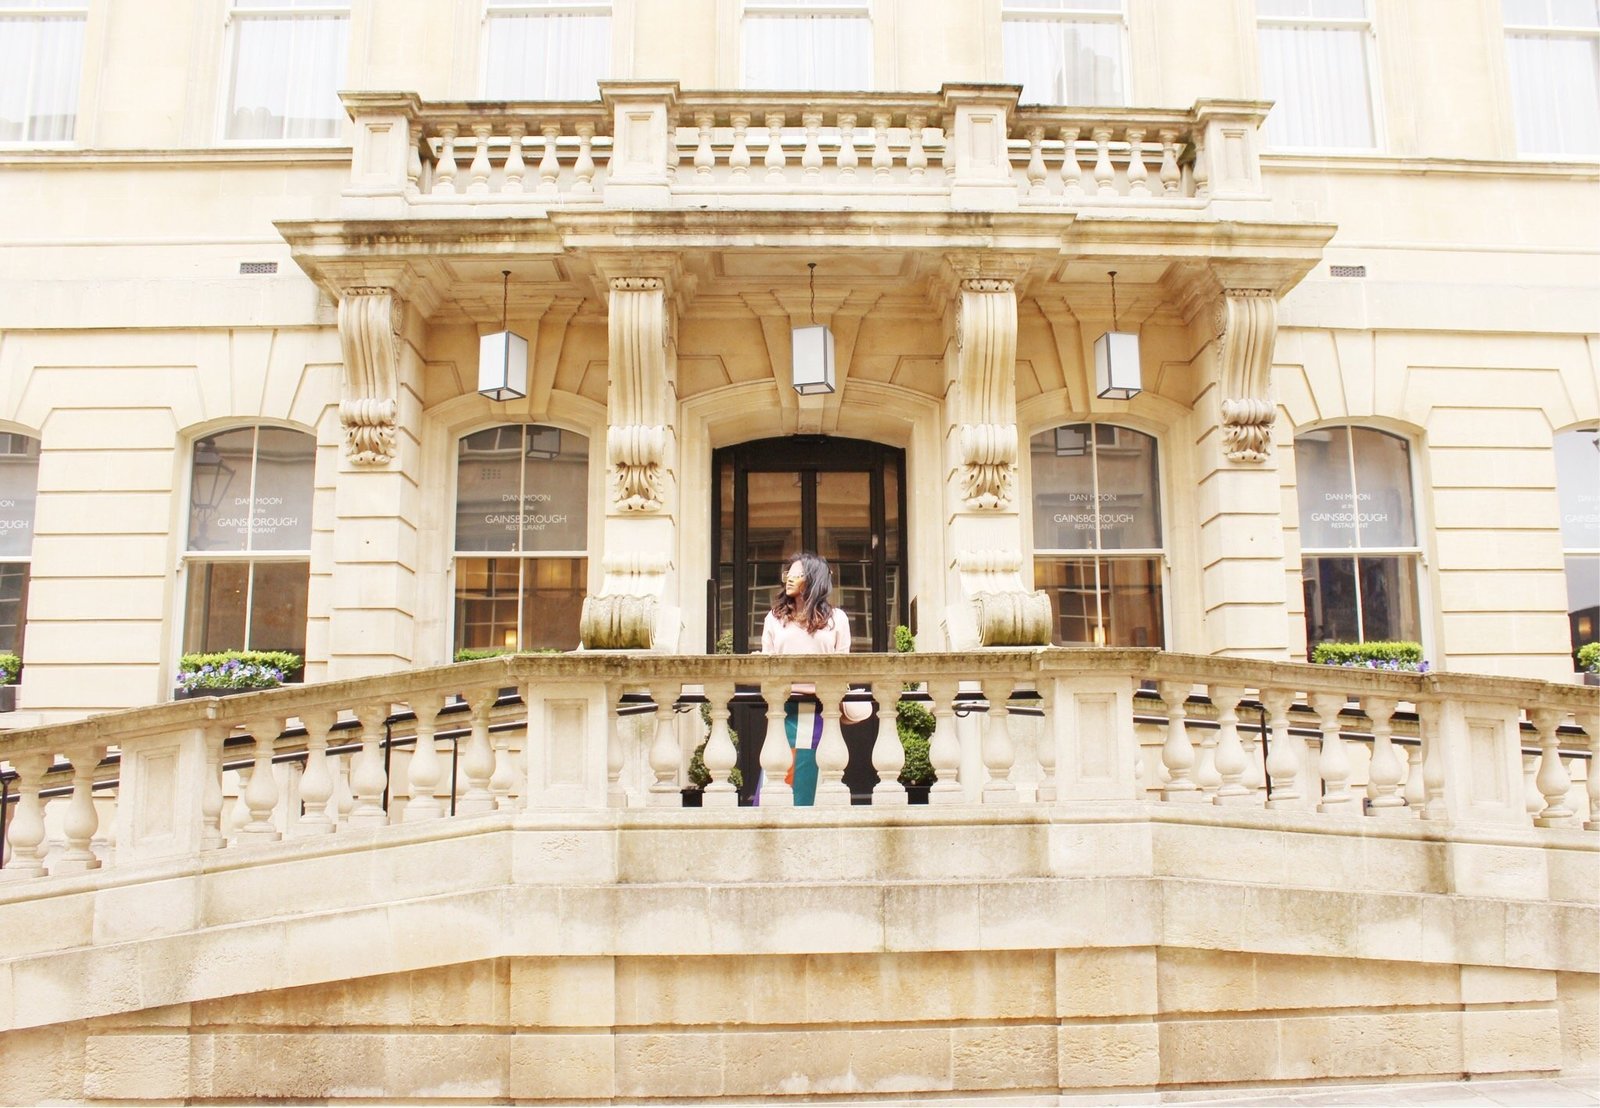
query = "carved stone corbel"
{"x": 369, "y": 325}
{"x": 636, "y": 440}
{"x": 1247, "y": 325}
{"x": 1004, "y": 613}
{"x": 627, "y": 613}
{"x": 986, "y": 355}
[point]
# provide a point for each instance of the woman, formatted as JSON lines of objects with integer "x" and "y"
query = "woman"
{"x": 802, "y": 621}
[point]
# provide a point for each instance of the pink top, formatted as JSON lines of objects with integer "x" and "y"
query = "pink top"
{"x": 791, "y": 638}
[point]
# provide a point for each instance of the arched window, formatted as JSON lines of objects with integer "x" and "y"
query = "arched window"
{"x": 1097, "y": 533}
{"x": 1578, "y": 490}
{"x": 19, "y": 484}
{"x": 522, "y": 515}
{"x": 248, "y": 565}
{"x": 1358, "y": 536}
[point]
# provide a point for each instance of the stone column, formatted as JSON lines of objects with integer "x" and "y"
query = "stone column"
{"x": 991, "y": 605}
{"x": 1238, "y": 501}
{"x": 631, "y": 610}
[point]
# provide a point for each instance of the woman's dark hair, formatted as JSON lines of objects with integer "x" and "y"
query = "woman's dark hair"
{"x": 810, "y": 609}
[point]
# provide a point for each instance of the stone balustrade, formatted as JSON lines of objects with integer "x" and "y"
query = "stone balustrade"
{"x": 650, "y": 145}
{"x": 537, "y": 732}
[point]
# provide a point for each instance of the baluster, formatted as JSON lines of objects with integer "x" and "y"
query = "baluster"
{"x": 26, "y": 832}
{"x": 1202, "y": 168}
{"x": 774, "y": 159}
{"x": 832, "y": 754}
{"x": 944, "y": 748}
{"x": 616, "y": 758}
{"x": 947, "y": 156}
{"x": 503, "y": 778}
{"x": 720, "y": 755}
{"x": 426, "y": 767}
{"x": 811, "y": 160}
{"x": 81, "y": 820}
{"x": 478, "y": 761}
{"x": 211, "y": 799}
{"x": 881, "y": 160}
{"x": 888, "y": 756}
{"x": 316, "y": 784}
{"x": 1177, "y": 753}
{"x": 368, "y": 779}
{"x": 1206, "y": 776}
{"x": 999, "y": 751}
{"x": 1071, "y": 171}
{"x": 739, "y": 156}
{"x": 583, "y": 168}
{"x": 550, "y": 160}
{"x": 1428, "y": 714}
{"x": 1170, "y": 174}
{"x": 917, "y": 155}
{"x": 1045, "y": 748}
{"x": 847, "y": 157}
{"x": 1104, "y": 175}
{"x": 1333, "y": 764}
{"x": 1553, "y": 780}
{"x": 1283, "y": 761}
{"x": 344, "y": 797}
{"x": 1036, "y": 173}
{"x": 414, "y": 161}
{"x": 479, "y": 169}
{"x": 1532, "y": 798}
{"x": 444, "y": 167}
{"x": 775, "y": 756}
{"x": 515, "y": 167}
{"x": 666, "y": 757}
{"x": 703, "y": 158}
{"x": 1415, "y": 789}
{"x": 1590, "y": 722}
{"x": 1230, "y": 757}
{"x": 1383, "y": 772}
{"x": 239, "y": 815}
{"x": 260, "y": 796}
{"x": 1138, "y": 175}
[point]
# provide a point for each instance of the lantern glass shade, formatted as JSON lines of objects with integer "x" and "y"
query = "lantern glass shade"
{"x": 813, "y": 359}
{"x": 503, "y": 366}
{"x": 1116, "y": 366}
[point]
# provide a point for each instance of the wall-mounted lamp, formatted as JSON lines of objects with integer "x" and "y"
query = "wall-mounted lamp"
{"x": 503, "y": 356}
{"x": 1116, "y": 358}
{"x": 813, "y": 350}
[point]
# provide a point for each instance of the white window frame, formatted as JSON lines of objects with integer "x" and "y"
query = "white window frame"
{"x": 1553, "y": 30}
{"x": 20, "y": 12}
{"x": 236, "y": 17}
{"x": 1026, "y": 11}
{"x": 857, "y": 9}
{"x": 24, "y": 560}
{"x": 493, "y": 9}
{"x": 1569, "y": 552}
{"x": 1369, "y": 54}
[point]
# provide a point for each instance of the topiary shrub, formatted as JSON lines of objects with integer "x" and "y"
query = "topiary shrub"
{"x": 1401, "y": 656}
{"x": 914, "y": 724}
{"x": 10, "y": 668}
{"x": 1588, "y": 657}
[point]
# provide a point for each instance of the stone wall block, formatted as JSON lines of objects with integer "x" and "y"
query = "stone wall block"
{"x": 562, "y": 1067}
{"x": 1101, "y": 1055}
{"x": 567, "y": 992}
{"x": 136, "y": 1067}
{"x": 1005, "y": 1057}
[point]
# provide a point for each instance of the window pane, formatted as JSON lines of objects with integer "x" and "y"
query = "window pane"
{"x": 13, "y": 605}
{"x": 1057, "y": 61}
{"x": 1063, "y": 488}
{"x": 1318, "y": 78}
{"x": 1389, "y": 599}
{"x": 1066, "y": 463}
{"x": 19, "y": 485}
{"x": 287, "y": 72}
{"x": 554, "y": 589}
{"x": 1121, "y": 595}
{"x": 1578, "y": 488}
{"x": 281, "y": 515}
{"x": 488, "y": 472}
{"x": 1331, "y": 601}
{"x": 546, "y": 56}
{"x": 215, "y": 609}
{"x": 278, "y": 606}
{"x": 821, "y": 52}
{"x": 1383, "y": 489}
{"x": 1583, "y": 598}
{"x": 555, "y": 495}
{"x": 219, "y": 491}
{"x": 1555, "y": 93}
{"x": 487, "y": 602}
{"x": 41, "y": 59}
{"x": 1322, "y": 477}
{"x": 1130, "y": 489}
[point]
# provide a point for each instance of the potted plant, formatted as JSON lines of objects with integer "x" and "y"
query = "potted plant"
{"x": 1401, "y": 656}
{"x": 226, "y": 672}
{"x": 10, "y": 674}
{"x": 914, "y": 724}
{"x": 1589, "y": 663}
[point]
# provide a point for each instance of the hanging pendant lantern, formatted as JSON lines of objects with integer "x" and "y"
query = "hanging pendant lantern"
{"x": 1116, "y": 358}
{"x": 503, "y": 356}
{"x": 812, "y": 349}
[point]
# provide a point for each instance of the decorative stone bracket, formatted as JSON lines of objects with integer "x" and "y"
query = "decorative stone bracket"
{"x": 1003, "y": 612}
{"x": 1247, "y": 325}
{"x": 640, "y": 400}
{"x": 989, "y": 464}
{"x": 628, "y": 614}
{"x": 986, "y": 366}
{"x": 636, "y": 456}
{"x": 369, "y": 324}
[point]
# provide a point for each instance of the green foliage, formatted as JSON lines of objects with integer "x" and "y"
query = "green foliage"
{"x": 1404, "y": 656}
{"x": 10, "y": 669}
{"x": 725, "y": 642}
{"x": 477, "y": 653}
{"x": 904, "y": 641}
{"x": 237, "y": 669}
{"x": 1588, "y": 657}
{"x": 913, "y": 723}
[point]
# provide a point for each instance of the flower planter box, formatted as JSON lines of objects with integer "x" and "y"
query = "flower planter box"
{"x": 8, "y": 698}
{"x": 195, "y": 694}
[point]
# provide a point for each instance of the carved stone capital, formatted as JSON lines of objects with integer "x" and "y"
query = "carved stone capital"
{"x": 1247, "y": 326}
{"x": 988, "y": 284}
{"x": 369, "y": 326}
{"x": 636, "y": 455}
{"x": 1012, "y": 618}
{"x": 988, "y": 465}
{"x": 637, "y": 284}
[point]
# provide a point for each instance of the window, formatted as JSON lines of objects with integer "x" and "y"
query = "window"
{"x": 41, "y": 60}
{"x": 797, "y": 44}
{"x": 1553, "y": 57}
{"x": 1578, "y": 491}
{"x": 1097, "y": 533}
{"x": 546, "y": 49}
{"x": 19, "y": 485}
{"x": 1065, "y": 51}
{"x": 248, "y": 566}
{"x": 287, "y": 66}
{"x": 522, "y": 511}
{"x": 1358, "y": 536}
{"x": 1316, "y": 67}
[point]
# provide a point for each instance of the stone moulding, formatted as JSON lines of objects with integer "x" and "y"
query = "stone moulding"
{"x": 622, "y": 622}
{"x": 989, "y": 464}
{"x": 369, "y": 320}
{"x": 1012, "y": 618}
{"x": 636, "y": 455}
{"x": 1247, "y": 325}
